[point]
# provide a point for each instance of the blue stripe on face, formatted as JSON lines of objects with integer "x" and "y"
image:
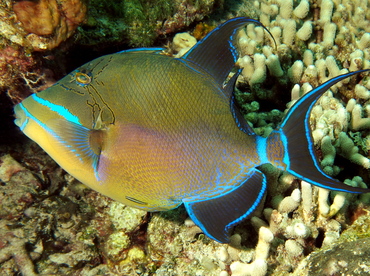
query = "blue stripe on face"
{"x": 45, "y": 127}
{"x": 61, "y": 110}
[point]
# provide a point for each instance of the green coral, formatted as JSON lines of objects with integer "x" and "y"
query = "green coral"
{"x": 135, "y": 21}
{"x": 144, "y": 17}
{"x": 359, "y": 140}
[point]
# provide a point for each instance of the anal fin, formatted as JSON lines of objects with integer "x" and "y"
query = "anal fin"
{"x": 217, "y": 215}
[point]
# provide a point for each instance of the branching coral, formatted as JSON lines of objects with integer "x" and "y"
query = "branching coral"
{"x": 259, "y": 265}
{"x": 301, "y": 53}
{"x": 313, "y": 45}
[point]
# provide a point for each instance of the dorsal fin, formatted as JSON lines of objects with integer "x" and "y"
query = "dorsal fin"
{"x": 217, "y": 53}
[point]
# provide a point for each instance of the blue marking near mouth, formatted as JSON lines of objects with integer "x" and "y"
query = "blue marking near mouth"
{"x": 30, "y": 116}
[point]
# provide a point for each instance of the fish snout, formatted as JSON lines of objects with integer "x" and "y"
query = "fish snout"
{"x": 20, "y": 116}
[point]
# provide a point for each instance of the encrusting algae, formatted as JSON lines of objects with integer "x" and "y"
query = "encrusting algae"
{"x": 301, "y": 218}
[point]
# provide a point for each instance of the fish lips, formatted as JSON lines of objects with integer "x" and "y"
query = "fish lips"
{"x": 21, "y": 119}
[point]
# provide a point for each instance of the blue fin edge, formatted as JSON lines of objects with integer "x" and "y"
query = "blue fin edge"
{"x": 217, "y": 215}
{"x": 296, "y": 136}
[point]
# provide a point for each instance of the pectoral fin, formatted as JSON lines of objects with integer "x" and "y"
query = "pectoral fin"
{"x": 216, "y": 216}
{"x": 85, "y": 144}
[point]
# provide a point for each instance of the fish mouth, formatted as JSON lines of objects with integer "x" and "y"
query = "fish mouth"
{"x": 21, "y": 118}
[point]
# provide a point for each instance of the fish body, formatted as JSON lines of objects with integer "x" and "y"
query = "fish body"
{"x": 154, "y": 140}
{"x": 155, "y": 132}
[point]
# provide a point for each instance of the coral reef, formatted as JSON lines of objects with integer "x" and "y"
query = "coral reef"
{"x": 187, "y": 12}
{"x": 58, "y": 226}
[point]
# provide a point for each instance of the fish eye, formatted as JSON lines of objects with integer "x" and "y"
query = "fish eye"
{"x": 82, "y": 78}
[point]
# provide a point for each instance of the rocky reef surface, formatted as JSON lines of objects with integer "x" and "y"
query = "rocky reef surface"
{"x": 53, "y": 225}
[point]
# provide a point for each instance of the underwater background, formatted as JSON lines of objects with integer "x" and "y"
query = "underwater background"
{"x": 53, "y": 225}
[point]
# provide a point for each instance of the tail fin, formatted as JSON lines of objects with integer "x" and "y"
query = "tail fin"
{"x": 292, "y": 147}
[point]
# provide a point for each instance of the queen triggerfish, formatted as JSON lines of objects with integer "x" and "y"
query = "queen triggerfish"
{"x": 153, "y": 132}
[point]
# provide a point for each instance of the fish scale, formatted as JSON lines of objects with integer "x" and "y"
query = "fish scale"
{"x": 154, "y": 132}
